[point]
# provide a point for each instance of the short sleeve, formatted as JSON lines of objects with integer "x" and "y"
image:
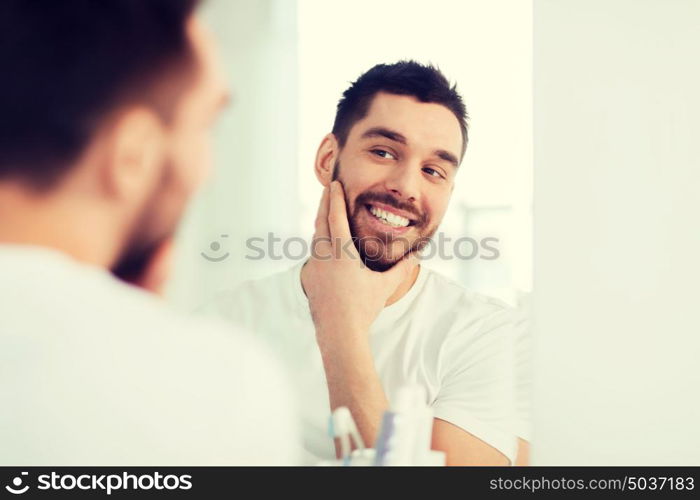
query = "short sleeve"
{"x": 477, "y": 370}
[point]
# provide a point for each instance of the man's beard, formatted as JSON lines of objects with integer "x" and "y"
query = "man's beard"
{"x": 133, "y": 263}
{"x": 374, "y": 250}
{"x": 150, "y": 230}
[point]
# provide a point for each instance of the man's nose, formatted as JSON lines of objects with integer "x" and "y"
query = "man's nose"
{"x": 404, "y": 181}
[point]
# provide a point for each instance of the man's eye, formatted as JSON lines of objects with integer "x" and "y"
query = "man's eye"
{"x": 382, "y": 153}
{"x": 432, "y": 172}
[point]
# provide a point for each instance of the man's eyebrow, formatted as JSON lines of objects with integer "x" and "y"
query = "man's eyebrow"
{"x": 447, "y": 156}
{"x": 384, "y": 132}
{"x": 397, "y": 137}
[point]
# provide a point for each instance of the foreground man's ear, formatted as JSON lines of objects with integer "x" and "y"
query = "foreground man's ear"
{"x": 325, "y": 159}
{"x": 134, "y": 156}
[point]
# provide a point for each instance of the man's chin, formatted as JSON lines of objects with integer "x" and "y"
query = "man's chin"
{"x": 379, "y": 266}
{"x": 383, "y": 264}
{"x": 137, "y": 256}
{"x": 381, "y": 252}
{"x": 376, "y": 256}
{"x": 132, "y": 265}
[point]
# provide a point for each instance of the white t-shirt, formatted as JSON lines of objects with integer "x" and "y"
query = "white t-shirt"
{"x": 523, "y": 367}
{"x": 458, "y": 344}
{"x": 96, "y": 372}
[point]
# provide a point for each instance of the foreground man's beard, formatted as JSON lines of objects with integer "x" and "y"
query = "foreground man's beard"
{"x": 133, "y": 264}
{"x": 156, "y": 224}
{"x": 379, "y": 252}
{"x": 148, "y": 235}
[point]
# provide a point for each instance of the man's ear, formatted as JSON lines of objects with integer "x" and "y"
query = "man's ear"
{"x": 134, "y": 155}
{"x": 326, "y": 157}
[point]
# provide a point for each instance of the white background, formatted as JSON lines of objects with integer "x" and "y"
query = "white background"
{"x": 616, "y": 232}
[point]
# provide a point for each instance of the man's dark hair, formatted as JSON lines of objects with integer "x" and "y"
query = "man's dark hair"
{"x": 424, "y": 82}
{"x": 67, "y": 64}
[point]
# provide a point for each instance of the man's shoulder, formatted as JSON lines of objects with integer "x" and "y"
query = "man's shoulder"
{"x": 449, "y": 295}
{"x": 279, "y": 290}
{"x": 284, "y": 279}
{"x": 461, "y": 314}
{"x": 75, "y": 303}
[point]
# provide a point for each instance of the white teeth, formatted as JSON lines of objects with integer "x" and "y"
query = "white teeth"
{"x": 388, "y": 217}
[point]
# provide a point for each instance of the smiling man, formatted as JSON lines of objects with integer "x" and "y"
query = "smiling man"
{"x": 362, "y": 317}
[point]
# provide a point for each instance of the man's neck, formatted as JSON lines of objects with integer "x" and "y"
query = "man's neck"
{"x": 404, "y": 287}
{"x": 68, "y": 225}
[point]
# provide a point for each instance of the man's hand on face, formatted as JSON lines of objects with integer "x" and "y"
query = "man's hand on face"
{"x": 343, "y": 293}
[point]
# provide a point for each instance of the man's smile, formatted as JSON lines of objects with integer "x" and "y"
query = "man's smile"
{"x": 386, "y": 219}
{"x": 390, "y": 215}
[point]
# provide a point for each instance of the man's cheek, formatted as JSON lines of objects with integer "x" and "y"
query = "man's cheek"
{"x": 435, "y": 213}
{"x": 193, "y": 165}
{"x": 202, "y": 165}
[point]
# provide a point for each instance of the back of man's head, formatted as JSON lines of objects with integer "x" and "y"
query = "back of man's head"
{"x": 106, "y": 108}
{"x": 68, "y": 64}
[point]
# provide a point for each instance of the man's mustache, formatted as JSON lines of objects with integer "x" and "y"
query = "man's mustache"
{"x": 387, "y": 199}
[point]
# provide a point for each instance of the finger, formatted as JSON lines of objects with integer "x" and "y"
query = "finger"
{"x": 321, "y": 223}
{"x": 338, "y": 217}
{"x": 321, "y": 247}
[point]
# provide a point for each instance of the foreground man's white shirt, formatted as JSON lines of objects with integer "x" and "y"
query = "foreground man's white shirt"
{"x": 96, "y": 372}
{"x": 458, "y": 344}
